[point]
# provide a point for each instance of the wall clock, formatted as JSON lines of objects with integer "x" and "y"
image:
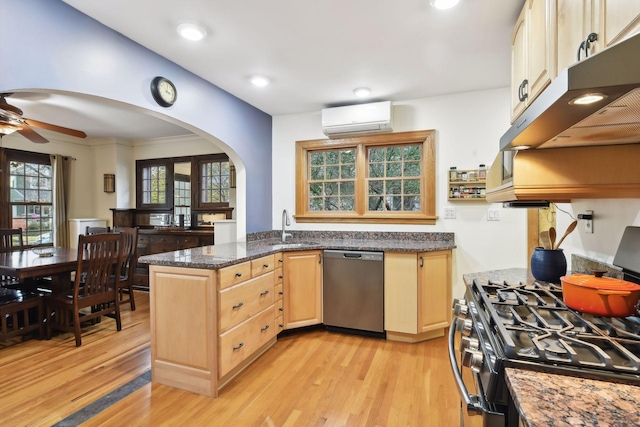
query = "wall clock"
{"x": 164, "y": 91}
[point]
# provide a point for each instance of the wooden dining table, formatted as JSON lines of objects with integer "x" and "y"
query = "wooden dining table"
{"x": 26, "y": 264}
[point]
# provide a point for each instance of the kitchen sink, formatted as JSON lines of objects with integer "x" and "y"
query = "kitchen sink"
{"x": 286, "y": 245}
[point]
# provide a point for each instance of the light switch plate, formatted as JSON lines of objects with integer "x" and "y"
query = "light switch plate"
{"x": 450, "y": 213}
{"x": 493, "y": 215}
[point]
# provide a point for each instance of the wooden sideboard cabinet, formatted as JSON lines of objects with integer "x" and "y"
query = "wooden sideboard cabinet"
{"x": 154, "y": 241}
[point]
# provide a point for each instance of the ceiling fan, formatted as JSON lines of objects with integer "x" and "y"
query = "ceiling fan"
{"x": 11, "y": 120}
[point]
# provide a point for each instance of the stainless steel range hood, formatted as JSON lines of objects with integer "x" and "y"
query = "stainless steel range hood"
{"x": 552, "y": 120}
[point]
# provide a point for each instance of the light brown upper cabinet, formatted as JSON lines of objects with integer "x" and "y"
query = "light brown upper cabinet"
{"x": 610, "y": 21}
{"x": 532, "y": 54}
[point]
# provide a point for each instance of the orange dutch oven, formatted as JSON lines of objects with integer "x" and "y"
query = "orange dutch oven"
{"x": 600, "y": 296}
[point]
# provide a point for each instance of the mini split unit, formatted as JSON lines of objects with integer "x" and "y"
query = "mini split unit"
{"x": 361, "y": 119}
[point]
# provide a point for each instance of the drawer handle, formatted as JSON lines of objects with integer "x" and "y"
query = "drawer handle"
{"x": 265, "y": 265}
{"x": 281, "y": 293}
{"x": 238, "y": 347}
{"x": 281, "y": 325}
{"x": 238, "y": 274}
{"x": 281, "y": 308}
{"x": 280, "y": 260}
{"x": 264, "y": 328}
{"x": 240, "y": 304}
{"x": 263, "y": 293}
{"x": 281, "y": 277}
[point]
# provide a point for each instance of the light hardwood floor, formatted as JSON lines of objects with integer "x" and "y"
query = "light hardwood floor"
{"x": 313, "y": 378}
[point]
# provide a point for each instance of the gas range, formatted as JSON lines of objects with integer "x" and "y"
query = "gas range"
{"x": 525, "y": 324}
{"x": 529, "y": 326}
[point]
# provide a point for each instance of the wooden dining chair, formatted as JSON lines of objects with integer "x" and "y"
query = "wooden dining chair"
{"x": 94, "y": 292}
{"x": 97, "y": 230}
{"x": 129, "y": 261}
{"x": 10, "y": 240}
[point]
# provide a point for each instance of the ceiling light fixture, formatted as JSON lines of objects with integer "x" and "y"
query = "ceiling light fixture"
{"x": 521, "y": 147}
{"x": 191, "y": 31}
{"x": 443, "y": 4}
{"x": 362, "y": 92}
{"x": 259, "y": 81}
{"x": 9, "y": 128}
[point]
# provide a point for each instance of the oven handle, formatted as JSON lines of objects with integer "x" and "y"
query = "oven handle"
{"x": 472, "y": 402}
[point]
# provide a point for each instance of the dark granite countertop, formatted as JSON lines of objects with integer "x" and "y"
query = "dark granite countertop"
{"x": 218, "y": 256}
{"x": 553, "y": 400}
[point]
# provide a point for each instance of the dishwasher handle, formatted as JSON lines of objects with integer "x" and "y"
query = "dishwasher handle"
{"x": 352, "y": 256}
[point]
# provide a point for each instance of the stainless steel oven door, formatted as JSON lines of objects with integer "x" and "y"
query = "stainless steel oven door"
{"x": 475, "y": 410}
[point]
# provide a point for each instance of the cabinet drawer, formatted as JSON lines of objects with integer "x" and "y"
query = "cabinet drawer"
{"x": 278, "y": 276}
{"x": 240, "y": 342}
{"x": 234, "y": 274}
{"x": 188, "y": 242}
{"x": 278, "y": 291}
{"x": 158, "y": 244}
{"x": 262, "y": 265}
{"x": 279, "y": 324}
{"x": 242, "y": 301}
{"x": 278, "y": 308}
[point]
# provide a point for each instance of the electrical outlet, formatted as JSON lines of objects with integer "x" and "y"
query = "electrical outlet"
{"x": 588, "y": 224}
{"x": 493, "y": 215}
{"x": 450, "y": 213}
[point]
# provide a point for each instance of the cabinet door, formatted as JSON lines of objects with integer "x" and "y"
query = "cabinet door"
{"x": 302, "y": 285}
{"x": 574, "y": 23}
{"x": 540, "y": 52}
{"x": 434, "y": 290}
{"x": 400, "y": 292}
{"x": 518, "y": 65}
{"x": 619, "y": 20}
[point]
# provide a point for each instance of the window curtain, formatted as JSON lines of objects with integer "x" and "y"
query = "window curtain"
{"x": 61, "y": 199}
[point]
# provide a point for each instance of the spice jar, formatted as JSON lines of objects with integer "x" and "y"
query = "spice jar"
{"x": 482, "y": 172}
{"x": 453, "y": 174}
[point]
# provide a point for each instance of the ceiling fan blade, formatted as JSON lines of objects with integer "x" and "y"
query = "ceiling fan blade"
{"x": 32, "y": 135}
{"x": 59, "y": 129}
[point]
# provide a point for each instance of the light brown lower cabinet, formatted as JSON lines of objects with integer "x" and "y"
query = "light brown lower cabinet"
{"x": 208, "y": 325}
{"x": 417, "y": 292}
{"x": 302, "y": 287}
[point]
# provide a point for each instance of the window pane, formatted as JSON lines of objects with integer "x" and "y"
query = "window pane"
{"x": 347, "y": 172}
{"x": 347, "y": 188}
{"x": 394, "y": 154}
{"x": 376, "y": 187}
{"x": 346, "y": 204}
{"x": 412, "y": 186}
{"x": 394, "y": 169}
{"x": 375, "y": 204}
{"x": 331, "y": 204}
{"x": 394, "y": 203}
{"x": 412, "y": 169}
{"x": 376, "y": 170}
{"x": 317, "y": 159}
{"x": 332, "y": 157}
{"x": 333, "y": 172}
{"x": 317, "y": 173}
{"x": 394, "y": 187}
{"x": 347, "y": 156}
{"x": 315, "y": 189}
{"x": 412, "y": 152}
{"x": 331, "y": 188}
{"x": 315, "y": 204}
{"x": 376, "y": 155}
{"x": 411, "y": 203}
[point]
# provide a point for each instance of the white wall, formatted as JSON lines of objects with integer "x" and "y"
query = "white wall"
{"x": 468, "y": 128}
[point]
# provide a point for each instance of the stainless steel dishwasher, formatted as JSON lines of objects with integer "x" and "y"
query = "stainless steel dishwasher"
{"x": 353, "y": 290}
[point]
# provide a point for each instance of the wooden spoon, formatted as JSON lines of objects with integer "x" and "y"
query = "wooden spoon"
{"x": 544, "y": 238}
{"x": 552, "y": 237}
{"x": 570, "y": 228}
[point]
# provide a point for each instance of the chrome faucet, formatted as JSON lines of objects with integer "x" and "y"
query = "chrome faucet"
{"x": 285, "y": 221}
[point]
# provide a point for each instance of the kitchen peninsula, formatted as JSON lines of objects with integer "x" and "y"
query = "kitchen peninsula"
{"x": 215, "y": 309}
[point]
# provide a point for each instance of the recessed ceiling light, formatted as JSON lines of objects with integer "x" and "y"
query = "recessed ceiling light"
{"x": 521, "y": 147}
{"x": 443, "y": 4}
{"x": 362, "y": 92}
{"x": 191, "y": 31}
{"x": 259, "y": 81}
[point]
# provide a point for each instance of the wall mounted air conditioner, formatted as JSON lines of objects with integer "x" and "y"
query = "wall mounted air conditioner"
{"x": 340, "y": 122}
